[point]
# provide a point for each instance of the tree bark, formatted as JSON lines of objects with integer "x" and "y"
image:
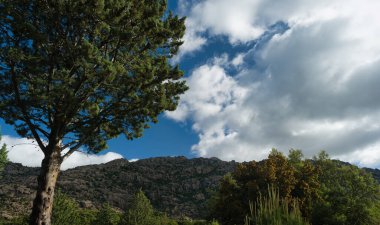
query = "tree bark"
{"x": 43, "y": 202}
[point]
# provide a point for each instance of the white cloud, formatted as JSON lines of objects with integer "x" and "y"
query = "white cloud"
{"x": 238, "y": 60}
{"x": 133, "y": 160}
{"x": 212, "y": 93}
{"x": 245, "y": 20}
{"x": 366, "y": 157}
{"x": 26, "y": 152}
{"x": 218, "y": 17}
{"x": 314, "y": 87}
{"x": 82, "y": 159}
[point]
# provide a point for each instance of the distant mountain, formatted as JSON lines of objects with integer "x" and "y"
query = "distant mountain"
{"x": 175, "y": 185}
{"x": 375, "y": 173}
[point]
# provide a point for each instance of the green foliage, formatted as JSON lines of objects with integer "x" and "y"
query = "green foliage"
{"x": 295, "y": 179}
{"x": 187, "y": 221}
{"x": 295, "y": 157}
{"x": 163, "y": 219}
{"x": 272, "y": 210}
{"x": 141, "y": 212}
{"x": 349, "y": 195}
{"x": 3, "y": 158}
{"x": 65, "y": 210}
{"x": 197, "y": 222}
{"x": 22, "y": 220}
{"x": 326, "y": 192}
{"x": 107, "y": 216}
{"x": 226, "y": 205}
{"x": 87, "y": 216}
{"x": 78, "y": 73}
{"x": 88, "y": 70}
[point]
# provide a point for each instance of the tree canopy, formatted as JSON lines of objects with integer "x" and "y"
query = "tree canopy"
{"x": 87, "y": 71}
{"x": 327, "y": 192}
{"x": 76, "y": 73}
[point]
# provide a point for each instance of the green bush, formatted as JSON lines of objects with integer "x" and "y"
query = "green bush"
{"x": 107, "y": 216}
{"x": 141, "y": 212}
{"x": 197, "y": 222}
{"x": 22, "y": 220}
{"x": 65, "y": 210}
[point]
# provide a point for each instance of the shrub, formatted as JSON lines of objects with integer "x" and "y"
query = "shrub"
{"x": 65, "y": 210}
{"x": 141, "y": 212}
{"x": 107, "y": 216}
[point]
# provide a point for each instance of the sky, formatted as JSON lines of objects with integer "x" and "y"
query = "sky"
{"x": 263, "y": 74}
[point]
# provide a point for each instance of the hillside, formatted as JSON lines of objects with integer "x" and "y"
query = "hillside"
{"x": 175, "y": 185}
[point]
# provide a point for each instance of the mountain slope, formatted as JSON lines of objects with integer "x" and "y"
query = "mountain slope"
{"x": 175, "y": 185}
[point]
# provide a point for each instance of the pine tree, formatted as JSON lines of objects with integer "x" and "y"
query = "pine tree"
{"x": 141, "y": 211}
{"x": 74, "y": 74}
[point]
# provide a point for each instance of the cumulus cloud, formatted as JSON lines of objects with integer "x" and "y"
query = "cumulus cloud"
{"x": 312, "y": 87}
{"x": 246, "y": 20}
{"x": 26, "y": 152}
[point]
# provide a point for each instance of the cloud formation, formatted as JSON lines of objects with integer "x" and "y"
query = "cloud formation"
{"x": 313, "y": 87}
{"x": 26, "y": 152}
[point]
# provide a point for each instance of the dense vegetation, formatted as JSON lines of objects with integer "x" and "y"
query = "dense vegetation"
{"x": 326, "y": 192}
{"x": 67, "y": 212}
{"x": 280, "y": 190}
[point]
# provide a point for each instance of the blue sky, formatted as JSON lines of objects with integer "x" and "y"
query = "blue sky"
{"x": 262, "y": 74}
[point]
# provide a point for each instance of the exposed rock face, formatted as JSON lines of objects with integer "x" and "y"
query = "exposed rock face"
{"x": 175, "y": 185}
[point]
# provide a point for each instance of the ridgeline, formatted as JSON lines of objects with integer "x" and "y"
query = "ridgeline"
{"x": 177, "y": 186}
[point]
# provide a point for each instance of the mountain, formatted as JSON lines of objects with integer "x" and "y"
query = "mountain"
{"x": 375, "y": 173}
{"x": 175, "y": 185}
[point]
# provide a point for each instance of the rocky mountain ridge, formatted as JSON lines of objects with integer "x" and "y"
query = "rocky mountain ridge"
{"x": 175, "y": 185}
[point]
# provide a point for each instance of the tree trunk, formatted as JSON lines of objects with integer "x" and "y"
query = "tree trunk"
{"x": 43, "y": 202}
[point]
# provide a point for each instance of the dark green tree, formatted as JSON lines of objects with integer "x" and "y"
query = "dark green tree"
{"x": 227, "y": 204}
{"x": 76, "y": 73}
{"x": 141, "y": 211}
{"x": 107, "y": 216}
{"x": 3, "y": 158}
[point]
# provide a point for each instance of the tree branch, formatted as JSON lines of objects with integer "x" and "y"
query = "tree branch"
{"x": 75, "y": 148}
{"x": 31, "y": 126}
